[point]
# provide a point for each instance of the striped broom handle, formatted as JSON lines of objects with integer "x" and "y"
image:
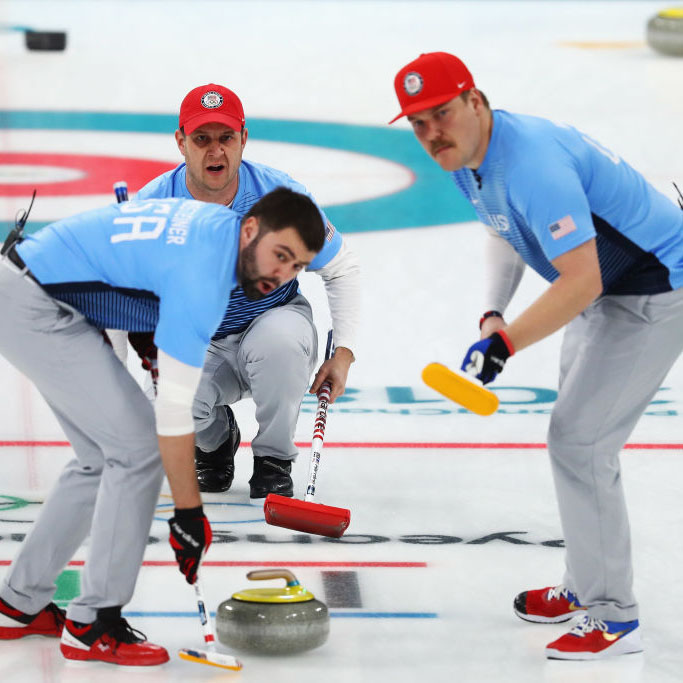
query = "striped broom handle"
{"x": 319, "y": 428}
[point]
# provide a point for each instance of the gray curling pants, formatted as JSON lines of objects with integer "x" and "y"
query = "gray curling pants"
{"x": 271, "y": 362}
{"x": 110, "y": 489}
{"x": 615, "y": 356}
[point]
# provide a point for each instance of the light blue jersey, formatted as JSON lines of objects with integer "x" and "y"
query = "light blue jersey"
{"x": 165, "y": 265}
{"x": 255, "y": 180}
{"x": 547, "y": 189}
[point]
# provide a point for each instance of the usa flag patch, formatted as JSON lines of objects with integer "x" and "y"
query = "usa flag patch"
{"x": 562, "y": 227}
{"x": 329, "y": 231}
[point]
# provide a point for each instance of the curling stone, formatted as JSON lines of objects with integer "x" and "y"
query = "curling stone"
{"x": 665, "y": 31}
{"x": 273, "y": 621}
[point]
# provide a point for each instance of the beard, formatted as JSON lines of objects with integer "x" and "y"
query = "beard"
{"x": 248, "y": 275}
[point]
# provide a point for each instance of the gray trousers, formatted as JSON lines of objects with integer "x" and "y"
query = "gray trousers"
{"x": 615, "y": 356}
{"x": 110, "y": 489}
{"x": 271, "y": 362}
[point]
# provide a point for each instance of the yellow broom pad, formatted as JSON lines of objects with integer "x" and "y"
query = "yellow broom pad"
{"x": 468, "y": 393}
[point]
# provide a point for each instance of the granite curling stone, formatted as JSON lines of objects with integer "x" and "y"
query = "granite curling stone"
{"x": 665, "y": 32}
{"x": 273, "y": 621}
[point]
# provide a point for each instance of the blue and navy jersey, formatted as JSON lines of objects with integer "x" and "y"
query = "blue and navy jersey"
{"x": 255, "y": 180}
{"x": 548, "y": 188}
{"x": 166, "y": 265}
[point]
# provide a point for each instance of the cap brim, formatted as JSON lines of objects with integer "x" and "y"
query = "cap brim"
{"x": 427, "y": 104}
{"x": 192, "y": 124}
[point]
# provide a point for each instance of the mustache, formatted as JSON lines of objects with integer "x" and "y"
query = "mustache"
{"x": 270, "y": 280}
{"x": 438, "y": 144}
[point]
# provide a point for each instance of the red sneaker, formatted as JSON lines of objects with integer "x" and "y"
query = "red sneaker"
{"x": 547, "y": 605}
{"x": 596, "y": 639}
{"x": 110, "y": 639}
{"x": 15, "y": 624}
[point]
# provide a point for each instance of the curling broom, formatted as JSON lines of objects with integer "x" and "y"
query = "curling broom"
{"x": 305, "y": 515}
{"x": 209, "y": 656}
{"x": 461, "y": 388}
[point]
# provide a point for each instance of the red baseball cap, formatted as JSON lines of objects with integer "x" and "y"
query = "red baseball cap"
{"x": 210, "y": 104}
{"x": 430, "y": 80}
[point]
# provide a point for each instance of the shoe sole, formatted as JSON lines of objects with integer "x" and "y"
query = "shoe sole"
{"x": 262, "y": 499}
{"x": 214, "y": 489}
{"x": 586, "y": 656}
{"x": 630, "y": 644}
{"x": 537, "y": 619}
{"x": 74, "y": 654}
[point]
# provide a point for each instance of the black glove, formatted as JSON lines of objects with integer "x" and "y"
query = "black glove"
{"x": 190, "y": 538}
{"x": 143, "y": 343}
{"x": 486, "y": 358}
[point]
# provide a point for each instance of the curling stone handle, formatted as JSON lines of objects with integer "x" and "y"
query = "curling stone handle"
{"x": 264, "y": 574}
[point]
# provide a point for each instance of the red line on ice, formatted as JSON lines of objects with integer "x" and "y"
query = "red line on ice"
{"x": 388, "y": 445}
{"x": 268, "y": 563}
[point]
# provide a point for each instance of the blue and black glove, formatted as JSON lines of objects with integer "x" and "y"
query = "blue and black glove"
{"x": 486, "y": 358}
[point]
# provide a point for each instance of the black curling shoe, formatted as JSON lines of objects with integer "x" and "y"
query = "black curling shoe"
{"x": 271, "y": 475}
{"x": 216, "y": 470}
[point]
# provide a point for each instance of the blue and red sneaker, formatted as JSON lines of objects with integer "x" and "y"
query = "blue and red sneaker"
{"x": 595, "y": 639}
{"x": 549, "y": 605}
{"x": 16, "y": 624}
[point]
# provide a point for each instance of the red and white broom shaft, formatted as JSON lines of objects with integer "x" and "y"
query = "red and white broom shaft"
{"x": 210, "y": 655}
{"x": 209, "y": 638}
{"x": 318, "y": 438}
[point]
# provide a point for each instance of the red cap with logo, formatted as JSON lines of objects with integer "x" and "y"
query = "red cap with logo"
{"x": 210, "y": 104}
{"x": 430, "y": 80}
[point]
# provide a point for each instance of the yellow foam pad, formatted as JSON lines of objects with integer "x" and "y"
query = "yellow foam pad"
{"x": 218, "y": 659}
{"x": 466, "y": 392}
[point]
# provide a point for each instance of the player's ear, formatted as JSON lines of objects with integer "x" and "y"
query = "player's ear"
{"x": 180, "y": 141}
{"x": 245, "y": 135}
{"x": 248, "y": 231}
{"x": 474, "y": 98}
